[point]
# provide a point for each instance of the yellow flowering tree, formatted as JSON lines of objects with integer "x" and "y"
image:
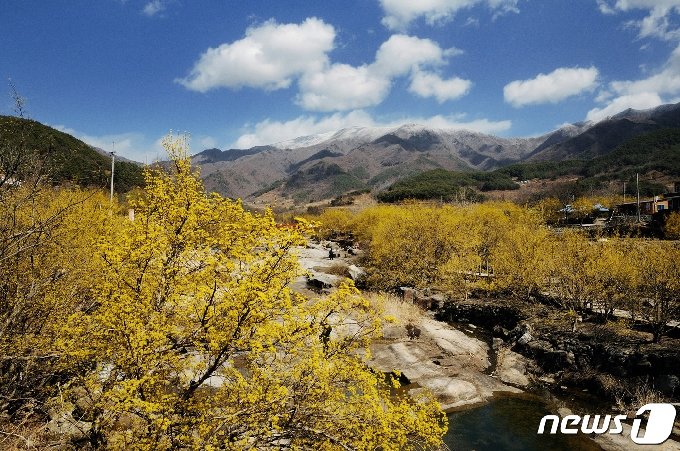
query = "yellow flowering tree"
{"x": 196, "y": 339}
{"x": 672, "y": 226}
{"x": 44, "y": 276}
{"x": 335, "y": 222}
{"x": 519, "y": 251}
{"x": 659, "y": 285}
{"x": 615, "y": 276}
{"x": 574, "y": 275}
{"x": 409, "y": 245}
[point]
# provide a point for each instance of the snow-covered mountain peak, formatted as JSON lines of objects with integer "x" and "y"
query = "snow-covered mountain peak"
{"x": 353, "y": 134}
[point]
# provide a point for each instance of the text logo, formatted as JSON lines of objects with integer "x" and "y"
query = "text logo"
{"x": 659, "y": 425}
{"x": 656, "y": 430}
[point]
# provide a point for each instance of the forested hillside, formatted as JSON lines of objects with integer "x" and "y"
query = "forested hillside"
{"x": 61, "y": 156}
{"x": 657, "y": 152}
{"x": 447, "y": 185}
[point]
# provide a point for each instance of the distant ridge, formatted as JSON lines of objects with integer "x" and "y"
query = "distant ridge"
{"x": 324, "y": 166}
{"x": 314, "y": 167}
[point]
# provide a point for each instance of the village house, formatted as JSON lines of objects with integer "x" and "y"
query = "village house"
{"x": 659, "y": 204}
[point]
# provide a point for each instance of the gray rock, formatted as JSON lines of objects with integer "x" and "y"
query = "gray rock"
{"x": 564, "y": 411}
{"x": 525, "y": 338}
{"x": 539, "y": 347}
{"x": 63, "y": 423}
{"x": 512, "y": 369}
{"x": 355, "y": 272}
{"x": 319, "y": 281}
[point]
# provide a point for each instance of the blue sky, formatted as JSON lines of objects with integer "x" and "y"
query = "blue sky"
{"x": 237, "y": 74}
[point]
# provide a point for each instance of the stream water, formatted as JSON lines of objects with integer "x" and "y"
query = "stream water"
{"x": 509, "y": 424}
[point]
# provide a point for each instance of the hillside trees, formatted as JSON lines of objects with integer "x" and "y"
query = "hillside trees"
{"x": 440, "y": 184}
{"x": 61, "y": 158}
{"x": 197, "y": 341}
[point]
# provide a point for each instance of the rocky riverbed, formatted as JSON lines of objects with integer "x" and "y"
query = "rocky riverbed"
{"x": 454, "y": 366}
{"x": 460, "y": 366}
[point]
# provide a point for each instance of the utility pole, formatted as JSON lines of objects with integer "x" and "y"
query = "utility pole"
{"x": 637, "y": 183}
{"x": 113, "y": 160}
{"x": 624, "y": 192}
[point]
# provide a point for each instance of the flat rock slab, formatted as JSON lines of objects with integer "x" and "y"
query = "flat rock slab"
{"x": 443, "y": 360}
{"x": 512, "y": 368}
{"x": 453, "y": 393}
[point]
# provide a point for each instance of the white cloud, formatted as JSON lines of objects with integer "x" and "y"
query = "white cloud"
{"x": 453, "y": 123}
{"x": 662, "y": 86}
{"x": 345, "y": 87}
{"x": 627, "y": 5}
{"x": 471, "y": 22}
{"x": 400, "y": 13}
{"x": 639, "y": 101}
{"x": 427, "y": 84}
{"x": 666, "y": 81}
{"x": 153, "y": 7}
{"x": 342, "y": 87}
{"x": 269, "y": 57}
{"x": 401, "y": 53}
{"x": 551, "y": 88}
{"x": 269, "y": 132}
{"x": 207, "y": 142}
{"x": 659, "y": 21}
{"x": 605, "y": 8}
{"x": 272, "y": 56}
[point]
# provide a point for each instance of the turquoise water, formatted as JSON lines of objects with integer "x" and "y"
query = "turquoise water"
{"x": 509, "y": 424}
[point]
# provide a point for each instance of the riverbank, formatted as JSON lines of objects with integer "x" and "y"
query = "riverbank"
{"x": 617, "y": 370}
{"x": 469, "y": 354}
{"x": 459, "y": 368}
{"x": 455, "y": 367}
{"x": 614, "y": 362}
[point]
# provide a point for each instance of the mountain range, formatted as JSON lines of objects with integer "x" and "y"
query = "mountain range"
{"x": 324, "y": 166}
